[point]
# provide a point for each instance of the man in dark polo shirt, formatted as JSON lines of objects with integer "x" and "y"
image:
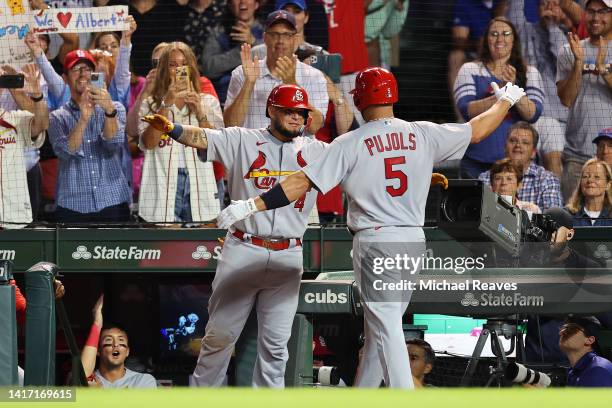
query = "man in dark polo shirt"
{"x": 578, "y": 339}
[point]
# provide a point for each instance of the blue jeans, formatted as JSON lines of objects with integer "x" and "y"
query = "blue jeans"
{"x": 182, "y": 202}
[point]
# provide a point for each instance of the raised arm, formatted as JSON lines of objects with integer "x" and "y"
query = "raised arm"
{"x": 55, "y": 82}
{"x": 568, "y": 88}
{"x": 90, "y": 350}
{"x": 237, "y": 106}
{"x": 191, "y": 136}
{"x": 30, "y": 98}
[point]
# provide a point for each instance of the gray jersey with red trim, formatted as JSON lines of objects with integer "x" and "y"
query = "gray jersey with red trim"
{"x": 255, "y": 162}
{"x": 385, "y": 169}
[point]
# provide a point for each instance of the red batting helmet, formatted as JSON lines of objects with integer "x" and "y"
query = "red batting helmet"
{"x": 288, "y": 96}
{"x": 374, "y": 86}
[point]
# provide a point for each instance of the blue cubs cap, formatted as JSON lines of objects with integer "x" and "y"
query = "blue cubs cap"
{"x": 603, "y": 134}
{"x": 282, "y": 3}
{"x": 280, "y": 16}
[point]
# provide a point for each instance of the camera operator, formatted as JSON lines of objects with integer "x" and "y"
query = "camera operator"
{"x": 578, "y": 340}
{"x": 542, "y": 340}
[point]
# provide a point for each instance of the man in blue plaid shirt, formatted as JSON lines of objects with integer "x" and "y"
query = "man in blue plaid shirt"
{"x": 85, "y": 134}
{"x": 539, "y": 185}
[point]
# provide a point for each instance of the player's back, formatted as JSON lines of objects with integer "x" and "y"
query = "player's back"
{"x": 385, "y": 169}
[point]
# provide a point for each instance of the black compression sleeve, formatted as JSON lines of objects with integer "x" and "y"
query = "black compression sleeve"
{"x": 275, "y": 198}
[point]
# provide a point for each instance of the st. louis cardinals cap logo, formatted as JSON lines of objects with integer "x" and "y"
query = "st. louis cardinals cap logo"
{"x": 299, "y": 96}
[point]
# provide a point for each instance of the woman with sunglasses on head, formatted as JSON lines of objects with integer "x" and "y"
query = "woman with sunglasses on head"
{"x": 176, "y": 185}
{"x": 119, "y": 48}
{"x": 500, "y": 62}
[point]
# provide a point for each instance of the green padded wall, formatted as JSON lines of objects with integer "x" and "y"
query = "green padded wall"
{"x": 40, "y": 325}
{"x": 8, "y": 336}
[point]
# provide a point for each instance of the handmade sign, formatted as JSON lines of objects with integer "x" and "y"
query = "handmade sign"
{"x": 80, "y": 20}
{"x": 15, "y": 19}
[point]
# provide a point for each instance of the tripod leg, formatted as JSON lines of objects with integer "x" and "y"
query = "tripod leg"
{"x": 520, "y": 347}
{"x": 471, "y": 366}
{"x": 500, "y": 355}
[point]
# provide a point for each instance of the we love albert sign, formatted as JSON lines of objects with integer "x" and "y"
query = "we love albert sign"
{"x": 80, "y": 20}
{"x": 16, "y": 19}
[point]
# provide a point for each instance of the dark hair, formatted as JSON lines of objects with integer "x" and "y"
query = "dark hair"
{"x": 430, "y": 355}
{"x": 110, "y": 326}
{"x": 526, "y": 126}
{"x": 516, "y": 55}
{"x": 228, "y": 19}
{"x": 506, "y": 165}
{"x": 96, "y": 40}
{"x": 46, "y": 37}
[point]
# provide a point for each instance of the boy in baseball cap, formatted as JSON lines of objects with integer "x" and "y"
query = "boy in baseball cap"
{"x": 604, "y": 144}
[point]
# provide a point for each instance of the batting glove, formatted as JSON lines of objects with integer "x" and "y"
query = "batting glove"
{"x": 437, "y": 178}
{"x": 159, "y": 122}
{"x": 498, "y": 92}
{"x": 237, "y": 211}
{"x": 510, "y": 93}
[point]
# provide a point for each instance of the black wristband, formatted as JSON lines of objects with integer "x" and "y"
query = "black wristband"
{"x": 112, "y": 114}
{"x": 176, "y": 132}
{"x": 275, "y": 198}
{"x": 37, "y": 98}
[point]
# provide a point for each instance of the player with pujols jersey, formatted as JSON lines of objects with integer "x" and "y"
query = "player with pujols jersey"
{"x": 384, "y": 168}
{"x": 261, "y": 263}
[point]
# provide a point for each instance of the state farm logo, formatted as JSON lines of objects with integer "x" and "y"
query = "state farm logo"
{"x": 201, "y": 252}
{"x": 116, "y": 253}
{"x": 602, "y": 252}
{"x": 327, "y": 297}
{"x": 81, "y": 253}
{"x": 469, "y": 300}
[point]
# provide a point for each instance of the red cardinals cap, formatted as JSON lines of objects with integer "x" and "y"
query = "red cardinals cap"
{"x": 73, "y": 57}
{"x": 288, "y": 96}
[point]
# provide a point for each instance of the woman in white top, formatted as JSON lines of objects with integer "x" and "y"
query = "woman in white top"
{"x": 506, "y": 180}
{"x": 176, "y": 185}
{"x": 591, "y": 202}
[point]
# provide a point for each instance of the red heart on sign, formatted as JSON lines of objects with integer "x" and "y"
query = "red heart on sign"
{"x": 64, "y": 19}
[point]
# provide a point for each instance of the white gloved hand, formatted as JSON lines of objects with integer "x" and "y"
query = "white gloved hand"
{"x": 498, "y": 92}
{"x": 237, "y": 211}
{"x": 510, "y": 93}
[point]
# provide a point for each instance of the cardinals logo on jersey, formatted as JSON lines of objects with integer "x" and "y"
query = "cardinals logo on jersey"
{"x": 300, "y": 160}
{"x": 263, "y": 178}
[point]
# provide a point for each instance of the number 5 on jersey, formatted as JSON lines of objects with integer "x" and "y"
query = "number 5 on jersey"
{"x": 395, "y": 174}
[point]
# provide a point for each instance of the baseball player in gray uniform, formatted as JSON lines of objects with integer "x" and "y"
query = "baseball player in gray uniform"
{"x": 261, "y": 262}
{"x": 384, "y": 168}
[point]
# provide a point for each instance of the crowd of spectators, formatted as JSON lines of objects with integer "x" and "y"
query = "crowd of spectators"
{"x": 95, "y": 162}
